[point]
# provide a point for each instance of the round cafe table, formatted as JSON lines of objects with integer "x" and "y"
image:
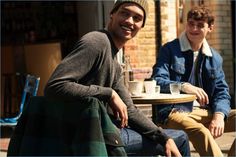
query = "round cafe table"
{"x": 163, "y": 98}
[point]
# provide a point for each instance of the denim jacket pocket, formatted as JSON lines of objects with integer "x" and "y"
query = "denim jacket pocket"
{"x": 178, "y": 68}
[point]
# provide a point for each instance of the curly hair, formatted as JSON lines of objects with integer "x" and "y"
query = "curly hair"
{"x": 201, "y": 13}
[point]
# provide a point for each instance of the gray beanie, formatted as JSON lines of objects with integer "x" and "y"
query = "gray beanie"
{"x": 142, "y": 3}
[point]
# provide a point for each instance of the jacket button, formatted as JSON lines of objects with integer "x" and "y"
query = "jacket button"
{"x": 116, "y": 142}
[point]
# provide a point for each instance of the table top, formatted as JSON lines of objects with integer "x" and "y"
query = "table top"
{"x": 163, "y": 98}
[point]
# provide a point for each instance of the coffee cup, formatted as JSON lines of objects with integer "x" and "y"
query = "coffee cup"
{"x": 150, "y": 87}
{"x": 135, "y": 88}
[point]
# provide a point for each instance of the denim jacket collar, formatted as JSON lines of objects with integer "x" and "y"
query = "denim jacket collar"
{"x": 185, "y": 45}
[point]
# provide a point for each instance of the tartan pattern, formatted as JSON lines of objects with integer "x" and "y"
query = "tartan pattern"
{"x": 52, "y": 128}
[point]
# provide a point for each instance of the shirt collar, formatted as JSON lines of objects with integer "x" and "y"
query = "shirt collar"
{"x": 185, "y": 45}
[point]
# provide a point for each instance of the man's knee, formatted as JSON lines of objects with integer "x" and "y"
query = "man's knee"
{"x": 177, "y": 134}
{"x": 203, "y": 131}
{"x": 182, "y": 135}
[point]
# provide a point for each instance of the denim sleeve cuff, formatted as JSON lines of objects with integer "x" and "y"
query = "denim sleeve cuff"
{"x": 221, "y": 114}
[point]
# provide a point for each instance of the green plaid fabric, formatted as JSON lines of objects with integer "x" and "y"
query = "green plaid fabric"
{"x": 50, "y": 128}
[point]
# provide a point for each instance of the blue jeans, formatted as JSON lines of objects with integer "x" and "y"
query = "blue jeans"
{"x": 136, "y": 144}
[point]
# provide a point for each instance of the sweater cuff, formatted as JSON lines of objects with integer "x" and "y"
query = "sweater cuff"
{"x": 161, "y": 138}
{"x": 221, "y": 114}
{"x": 106, "y": 93}
{"x": 164, "y": 139}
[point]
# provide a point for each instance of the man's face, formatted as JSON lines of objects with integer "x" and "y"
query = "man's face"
{"x": 197, "y": 30}
{"x": 126, "y": 21}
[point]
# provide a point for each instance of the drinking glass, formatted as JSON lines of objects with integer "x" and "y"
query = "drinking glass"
{"x": 158, "y": 89}
{"x": 175, "y": 88}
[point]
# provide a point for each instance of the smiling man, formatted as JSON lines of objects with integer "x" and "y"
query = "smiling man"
{"x": 190, "y": 61}
{"x": 91, "y": 70}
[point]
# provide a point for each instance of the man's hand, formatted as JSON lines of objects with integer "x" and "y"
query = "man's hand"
{"x": 171, "y": 148}
{"x": 216, "y": 126}
{"x": 202, "y": 96}
{"x": 119, "y": 108}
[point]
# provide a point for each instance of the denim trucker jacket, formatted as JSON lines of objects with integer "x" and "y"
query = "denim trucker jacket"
{"x": 174, "y": 64}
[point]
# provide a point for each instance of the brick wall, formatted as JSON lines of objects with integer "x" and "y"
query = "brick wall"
{"x": 221, "y": 37}
{"x": 168, "y": 20}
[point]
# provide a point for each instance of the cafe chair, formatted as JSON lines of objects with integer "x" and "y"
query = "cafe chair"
{"x": 30, "y": 89}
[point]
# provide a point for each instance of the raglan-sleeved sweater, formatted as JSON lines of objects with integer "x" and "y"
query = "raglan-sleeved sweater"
{"x": 91, "y": 70}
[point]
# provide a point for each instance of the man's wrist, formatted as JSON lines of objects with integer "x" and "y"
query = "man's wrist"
{"x": 217, "y": 114}
{"x": 182, "y": 86}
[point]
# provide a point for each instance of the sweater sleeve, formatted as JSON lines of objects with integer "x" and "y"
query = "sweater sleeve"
{"x": 75, "y": 77}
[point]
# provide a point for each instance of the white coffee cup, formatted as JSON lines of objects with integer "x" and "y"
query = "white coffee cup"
{"x": 150, "y": 87}
{"x": 175, "y": 88}
{"x": 135, "y": 87}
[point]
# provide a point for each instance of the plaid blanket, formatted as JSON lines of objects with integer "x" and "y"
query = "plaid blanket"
{"x": 50, "y": 128}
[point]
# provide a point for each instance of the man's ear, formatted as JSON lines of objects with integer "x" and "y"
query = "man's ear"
{"x": 211, "y": 28}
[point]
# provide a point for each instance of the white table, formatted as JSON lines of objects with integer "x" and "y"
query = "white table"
{"x": 163, "y": 99}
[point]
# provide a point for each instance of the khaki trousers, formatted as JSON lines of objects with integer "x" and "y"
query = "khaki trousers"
{"x": 195, "y": 124}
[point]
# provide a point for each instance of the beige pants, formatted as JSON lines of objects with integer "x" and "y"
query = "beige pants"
{"x": 195, "y": 124}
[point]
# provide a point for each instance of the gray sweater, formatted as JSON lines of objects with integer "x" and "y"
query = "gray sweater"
{"x": 91, "y": 70}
